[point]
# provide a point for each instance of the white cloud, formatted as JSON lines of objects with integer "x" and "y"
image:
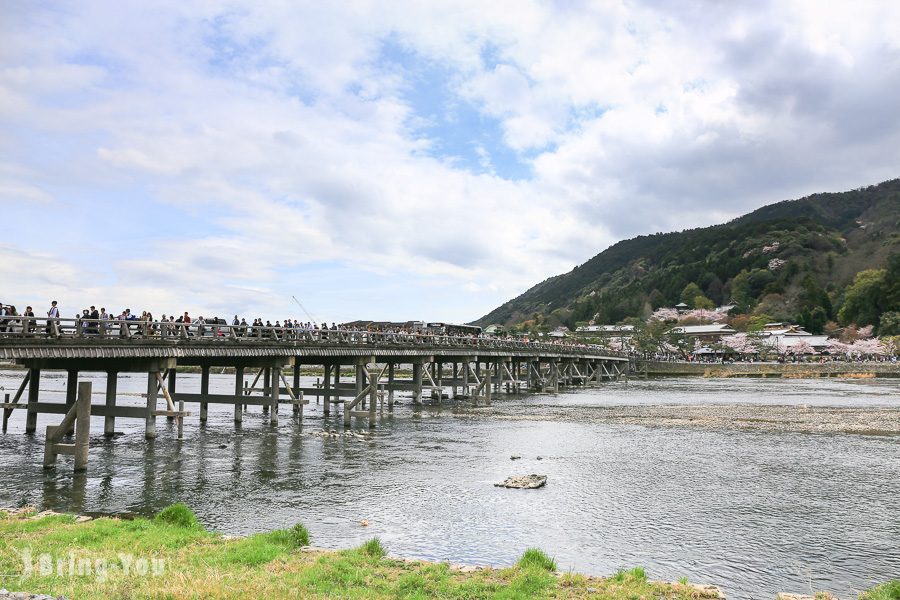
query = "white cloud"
{"x": 255, "y": 142}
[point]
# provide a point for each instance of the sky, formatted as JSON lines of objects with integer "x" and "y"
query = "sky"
{"x": 409, "y": 159}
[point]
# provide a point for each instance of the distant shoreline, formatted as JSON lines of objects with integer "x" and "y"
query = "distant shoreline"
{"x": 847, "y": 370}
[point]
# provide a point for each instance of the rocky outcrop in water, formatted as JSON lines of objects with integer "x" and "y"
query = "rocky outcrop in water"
{"x": 523, "y": 482}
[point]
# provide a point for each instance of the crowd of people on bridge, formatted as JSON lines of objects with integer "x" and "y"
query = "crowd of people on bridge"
{"x": 93, "y": 322}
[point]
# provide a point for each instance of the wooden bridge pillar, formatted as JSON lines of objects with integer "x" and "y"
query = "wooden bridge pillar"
{"x": 71, "y": 394}
{"x": 298, "y": 408}
{"x": 465, "y": 378}
{"x": 326, "y": 389}
{"x": 238, "y": 392}
{"x": 390, "y": 393}
{"x": 417, "y": 382}
{"x": 267, "y": 386}
{"x": 34, "y": 384}
{"x": 204, "y": 390}
{"x": 361, "y": 382}
{"x": 274, "y": 389}
{"x": 109, "y": 421}
{"x": 171, "y": 384}
{"x": 150, "y": 425}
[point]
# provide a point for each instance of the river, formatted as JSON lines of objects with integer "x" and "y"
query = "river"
{"x": 754, "y": 509}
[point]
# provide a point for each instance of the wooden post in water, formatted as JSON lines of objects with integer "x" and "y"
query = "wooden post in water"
{"x": 79, "y": 416}
{"x": 267, "y": 386}
{"x": 171, "y": 383}
{"x": 34, "y": 384}
{"x": 417, "y": 382}
{"x": 390, "y": 393}
{"x": 71, "y": 393}
{"x": 82, "y": 425}
{"x": 465, "y": 377}
{"x": 109, "y": 421}
{"x": 238, "y": 393}
{"x": 150, "y": 426}
{"x": 275, "y": 388}
{"x": 373, "y": 394}
{"x": 487, "y": 384}
{"x": 204, "y": 391}
{"x": 453, "y": 387}
{"x": 298, "y": 408}
{"x": 326, "y": 390}
{"x": 360, "y": 382}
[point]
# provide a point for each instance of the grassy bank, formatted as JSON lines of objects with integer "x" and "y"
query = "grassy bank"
{"x": 173, "y": 556}
{"x": 103, "y": 558}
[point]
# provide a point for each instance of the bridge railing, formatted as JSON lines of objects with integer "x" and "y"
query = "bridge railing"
{"x": 98, "y": 330}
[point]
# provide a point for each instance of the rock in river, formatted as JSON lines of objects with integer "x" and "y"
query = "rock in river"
{"x": 524, "y": 482}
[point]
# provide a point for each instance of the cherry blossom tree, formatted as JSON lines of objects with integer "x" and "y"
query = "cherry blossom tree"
{"x": 802, "y": 348}
{"x": 837, "y": 347}
{"x": 665, "y": 314}
{"x": 868, "y": 347}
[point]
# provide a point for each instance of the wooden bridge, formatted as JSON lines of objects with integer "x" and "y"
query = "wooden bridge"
{"x": 471, "y": 369}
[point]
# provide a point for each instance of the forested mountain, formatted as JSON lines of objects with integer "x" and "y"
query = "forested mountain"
{"x": 826, "y": 257}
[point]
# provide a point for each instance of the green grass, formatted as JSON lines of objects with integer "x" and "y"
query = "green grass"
{"x": 178, "y": 515}
{"x": 300, "y": 535}
{"x": 537, "y": 559}
{"x": 373, "y": 548}
{"x": 889, "y": 590}
{"x": 201, "y": 564}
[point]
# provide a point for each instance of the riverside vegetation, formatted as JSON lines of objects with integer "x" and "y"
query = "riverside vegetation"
{"x": 88, "y": 559}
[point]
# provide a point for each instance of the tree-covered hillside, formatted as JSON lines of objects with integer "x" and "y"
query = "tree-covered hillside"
{"x": 826, "y": 257}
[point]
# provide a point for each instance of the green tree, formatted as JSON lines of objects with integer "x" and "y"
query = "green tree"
{"x": 690, "y": 291}
{"x": 703, "y": 302}
{"x": 890, "y": 323}
{"x": 864, "y": 299}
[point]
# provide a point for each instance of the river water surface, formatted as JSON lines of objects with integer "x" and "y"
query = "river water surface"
{"x": 753, "y": 511}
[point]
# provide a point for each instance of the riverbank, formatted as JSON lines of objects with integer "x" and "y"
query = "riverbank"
{"x": 850, "y": 370}
{"x": 731, "y": 417}
{"x": 173, "y": 556}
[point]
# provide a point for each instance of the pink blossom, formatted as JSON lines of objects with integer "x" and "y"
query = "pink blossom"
{"x": 802, "y": 347}
{"x": 838, "y": 347}
{"x": 869, "y": 347}
{"x": 665, "y": 314}
{"x": 740, "y": 343}
{"x": 704, "y": 316}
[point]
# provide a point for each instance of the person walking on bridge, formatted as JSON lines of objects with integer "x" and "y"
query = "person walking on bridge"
{"x": 53, "y": 313}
